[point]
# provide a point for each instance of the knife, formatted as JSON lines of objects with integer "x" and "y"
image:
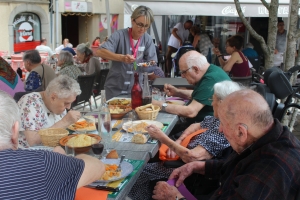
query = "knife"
{"x": 101, "y": 187}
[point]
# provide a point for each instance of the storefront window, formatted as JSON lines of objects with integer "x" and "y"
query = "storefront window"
{"x": 27, "y": 31}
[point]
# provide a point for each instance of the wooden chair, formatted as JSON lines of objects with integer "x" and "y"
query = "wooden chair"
{"x": 86, "y": 85}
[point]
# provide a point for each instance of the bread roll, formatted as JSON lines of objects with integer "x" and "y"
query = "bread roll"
{"x": 139, "y": 138}
{"x": 112, "y": 155}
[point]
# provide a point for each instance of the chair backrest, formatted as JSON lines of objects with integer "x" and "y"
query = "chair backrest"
{"x": 86, "y": 85}
{"x": 245, "y": 81}
{"x": 100, "y": 81}
{"x": 255, "y": 62}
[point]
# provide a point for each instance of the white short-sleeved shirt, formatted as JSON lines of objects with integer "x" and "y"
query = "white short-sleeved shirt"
{"x": 181, "y": 32}
{"x": 43, "y": 48}
{"x": 35, "y": 115}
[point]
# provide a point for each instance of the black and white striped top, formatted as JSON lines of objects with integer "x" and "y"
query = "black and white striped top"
{"x": 37, "y": 174}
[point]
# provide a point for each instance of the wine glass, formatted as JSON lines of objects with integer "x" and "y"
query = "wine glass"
{"x": 69, "y": 148}
{"x": 105, "y": 124}
{"x": 97, "y": 148}
{"x": 127, "y": 123}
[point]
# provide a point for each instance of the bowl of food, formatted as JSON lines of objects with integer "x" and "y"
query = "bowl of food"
{"x": 118, "y": 111}
{"x": 148, "y": 111}
{"x": 120, "y": 102}
{"x": 80, "y": 142}
{"x": 51, "y": 136}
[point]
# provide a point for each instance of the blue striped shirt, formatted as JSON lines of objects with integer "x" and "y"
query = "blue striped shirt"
{"x": 29, "y": 174}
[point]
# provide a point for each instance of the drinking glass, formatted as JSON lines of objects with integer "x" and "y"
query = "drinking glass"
{"x": 105, "y": 124}
{"x": 69, "y": 148}
{"x": 127, "y": 123}
{"x": 155, "y": 93}
{"x": 97, "y": 148}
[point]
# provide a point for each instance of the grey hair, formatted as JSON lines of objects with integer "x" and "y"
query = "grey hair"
{"x": 9, "y": 115}
{"x": 196, "y": 59}
{"x": 33, "y": 56}
{"x": 249, "y": 45}
{"x": 224, "y": 88}
{"x": 84, "y": 48}
{"x": 143, "y": 11}
{"x": 63, "y": 86}
{"x": 65, "y": 57}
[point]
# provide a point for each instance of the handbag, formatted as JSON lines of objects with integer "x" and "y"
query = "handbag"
{"x": 163, "y": 148}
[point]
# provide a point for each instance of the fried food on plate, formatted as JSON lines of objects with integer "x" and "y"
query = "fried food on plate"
{"x": 110, "y": 172}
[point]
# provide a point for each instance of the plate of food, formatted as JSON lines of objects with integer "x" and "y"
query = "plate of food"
{"x": 140, "y": 125}
{"x": 118, "y": 111}
{"x": 83, "y": 125}
{"x": 175, "y": 102}
{"x": 110, "y": 170}
{"x": 120, "y": 101}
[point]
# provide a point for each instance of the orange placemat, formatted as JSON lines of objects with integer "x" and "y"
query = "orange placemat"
{"x": 84, "y": 193}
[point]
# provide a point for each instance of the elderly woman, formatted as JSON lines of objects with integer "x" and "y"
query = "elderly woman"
{"x": 123, "y": 48}
{"x": 10, "y": 82}
{"x": 237, "y": 65}
{"x": 47, "y": 109}
{"x": 206, "y": 145}
{"x": 66, "y": 62}
{"x": 85, "y": 55}
{"x": 40, "y": 74}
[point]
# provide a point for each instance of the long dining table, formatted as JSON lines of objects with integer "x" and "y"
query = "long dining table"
{"x": 141, "y": 151}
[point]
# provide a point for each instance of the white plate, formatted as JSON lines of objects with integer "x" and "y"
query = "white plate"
{"x": 156, "y": 123}
{"x": 44, "y": 148}
{"x": 175, "y": 102}
{"x": 126, "y": 169}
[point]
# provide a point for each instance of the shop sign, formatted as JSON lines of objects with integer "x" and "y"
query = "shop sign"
{"x": 232, "y": 10}
{"x": 76, "y": 6}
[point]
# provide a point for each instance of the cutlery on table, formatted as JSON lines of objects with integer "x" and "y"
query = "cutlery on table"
{"x": 119, "y": 167}
{"x": 102, "y": 187}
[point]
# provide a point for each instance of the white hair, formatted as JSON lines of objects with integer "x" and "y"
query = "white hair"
{"x": 9, "y": 115}
{"x": 224, "y": 88}
{"x": 63, "y": 86}
{"x": 196, "y": 59}
{"x": 249, "y": 45}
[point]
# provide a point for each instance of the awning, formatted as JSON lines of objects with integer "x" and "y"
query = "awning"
{"x": 251, "y": 8}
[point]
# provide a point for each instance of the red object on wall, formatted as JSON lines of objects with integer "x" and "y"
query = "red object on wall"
{"x": 24, "y": 46}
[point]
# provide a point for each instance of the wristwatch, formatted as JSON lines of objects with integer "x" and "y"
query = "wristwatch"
{"x": 163, "y": 107}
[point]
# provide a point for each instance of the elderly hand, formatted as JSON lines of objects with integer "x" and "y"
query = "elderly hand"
{"x": 170, "y": 153}
{"x": 155, "y": 132}
{"x": 181, "y": 173}
{"x": 71, "y": 117}
{"x": 128, "y": 59}
{"x": 170, "y": 90}
{"x": 60, "y": 150}
{"x": 164, "y": 191}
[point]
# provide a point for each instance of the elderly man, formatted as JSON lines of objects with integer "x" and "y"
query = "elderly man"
{"x": 198, "y": 72}
{"x": 264, "y": 164}
{"x": 37, "y": 174}
{"x": 43, "y": 48}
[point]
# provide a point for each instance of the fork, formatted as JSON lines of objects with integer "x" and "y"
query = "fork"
{"x": 119, "y": 167}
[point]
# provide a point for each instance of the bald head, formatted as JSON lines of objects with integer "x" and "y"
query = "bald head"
{"x": 249, "y": 107}
{"x": 244, "y": 118}
{"x": 194, "y": 58}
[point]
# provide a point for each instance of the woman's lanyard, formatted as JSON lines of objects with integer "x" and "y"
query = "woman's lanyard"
{"x": 134, "y": 49}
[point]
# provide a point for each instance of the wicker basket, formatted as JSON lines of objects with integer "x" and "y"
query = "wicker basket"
{"x": 51, "y": 136}
{"x": 144, "y": 114}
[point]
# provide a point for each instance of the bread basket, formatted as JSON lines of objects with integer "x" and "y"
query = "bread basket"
{"x": 51, "y": 136}
{"x": 144, "y": 113}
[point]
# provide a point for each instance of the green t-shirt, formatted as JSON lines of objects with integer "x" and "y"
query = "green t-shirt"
{"x": 204, "y": 91}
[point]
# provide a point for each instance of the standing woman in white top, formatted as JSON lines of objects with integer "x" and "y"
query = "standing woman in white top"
{"x": 180, "y": 33}
{"x": 123, "y": 48}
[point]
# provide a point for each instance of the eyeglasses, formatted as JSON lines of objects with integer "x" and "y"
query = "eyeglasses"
{"x": 141, "y": 25}
{"x": 185, "y": 71}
